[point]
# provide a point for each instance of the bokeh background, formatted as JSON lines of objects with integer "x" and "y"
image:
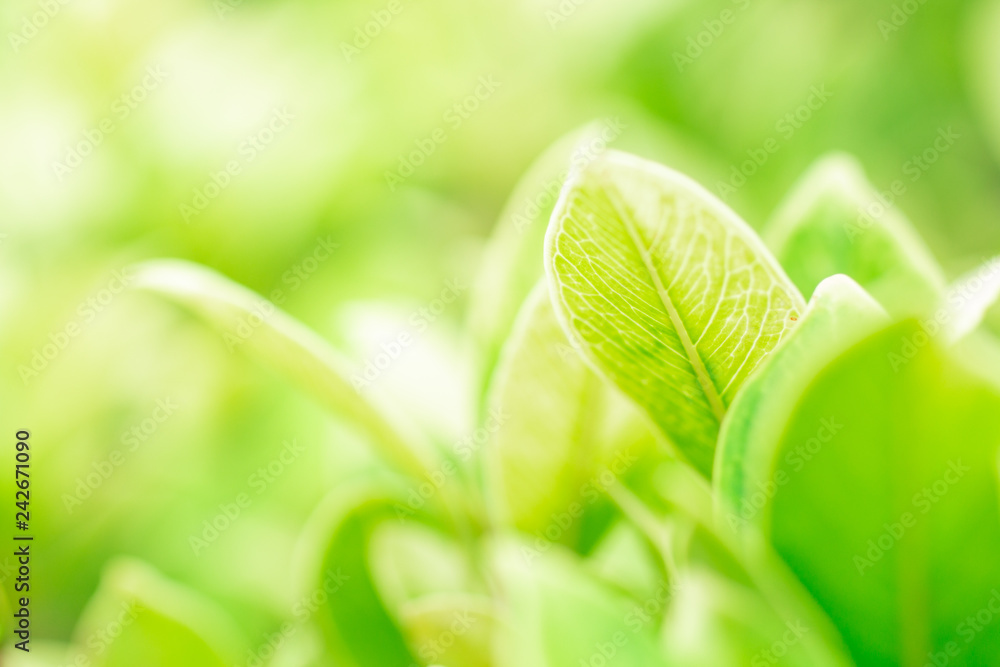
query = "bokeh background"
{"x": 351, "y": 158}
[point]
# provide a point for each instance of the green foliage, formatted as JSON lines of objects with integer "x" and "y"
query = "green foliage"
{"x": 900, "y": 496}
{"x": 685, "y": 464}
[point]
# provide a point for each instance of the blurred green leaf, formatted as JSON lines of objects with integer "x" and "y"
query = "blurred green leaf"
{"x": 451, "y": 629}
{"x": 411, "y": 561}
{"x": 561, "y": 425}
{"x": 669, "y": 293}
{"x": 713, "y": 621}
{"x": 358, "y": 628}
{"x": 512, "y": 263}
{"x": 982, "y": 60}
{"x": 889, "y": 511}
{"x": 732, "y": 603}
{"x": 624, "y": 559}
{"x": 139, "y": 618}
{"x": 554, "y": 613}
{"x": 970, "y": 298}
{"x": 289, "y": 348}
{"x": 752, "y": 608}
{"x": 834, "y": 222}
{"x": 839, "y": 314}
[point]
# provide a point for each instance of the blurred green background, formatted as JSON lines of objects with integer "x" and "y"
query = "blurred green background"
{"x": 274, "y": 140}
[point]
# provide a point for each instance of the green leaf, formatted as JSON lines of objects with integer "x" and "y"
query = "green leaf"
{"x": 889, "y": 514}
{"x": 840, "y": 314}
{"x": 729, "y": 602}
{"x": 554, "y": 613}
{"x": 562, "y": 424}
{"x": 451, "y": 629}
{"x": 411, "y": 561}
{"x": 289, "y": 348}
{"x": 833, "y": 222}
{"x": 983, "y": 73}
{"x": 669, "y": 293}
{"x": 713, "y": 621}
{"x": 139, "y": 618}
{"x": 970, "y": 298}
{"x": 624, "y": 559}
{"x": 745, "y": 602}
{"x": 511, "y": 263}
{"x": 359, "y": 627}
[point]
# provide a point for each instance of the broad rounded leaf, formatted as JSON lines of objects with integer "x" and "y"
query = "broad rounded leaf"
{"x": 893, "y": 524}
{"x": 669, "y": 293}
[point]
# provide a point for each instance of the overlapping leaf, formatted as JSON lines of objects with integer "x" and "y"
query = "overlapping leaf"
{"x": 888, "y": 510}
{"x": 358, "y": 628}
{"x": 839, "y": 314}
{"x": 668, "y": 292}
{"x": 562, "y": 425}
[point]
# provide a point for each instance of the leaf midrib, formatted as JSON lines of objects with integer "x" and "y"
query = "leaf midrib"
{"x": 708, "y": 387}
